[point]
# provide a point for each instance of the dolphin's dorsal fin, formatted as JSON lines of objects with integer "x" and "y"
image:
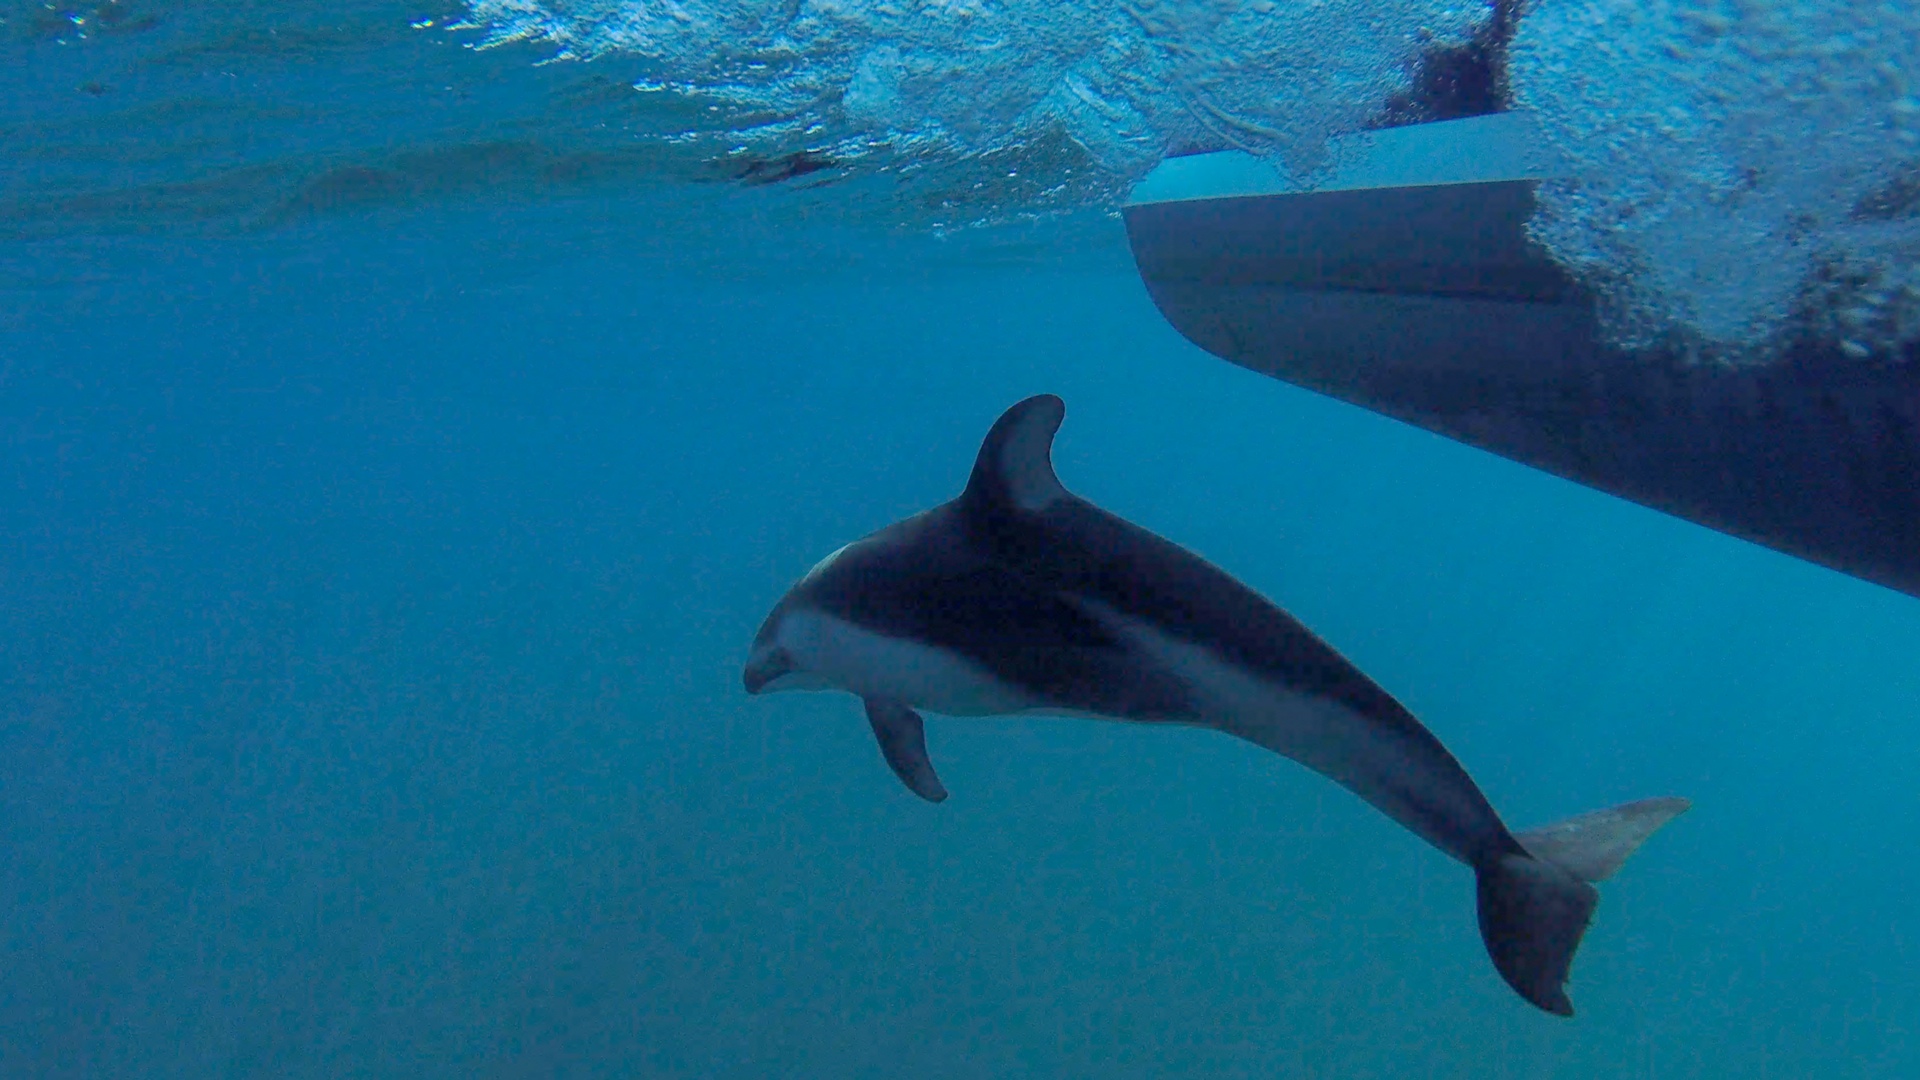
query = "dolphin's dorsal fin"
{"x": 1015, "y": 466}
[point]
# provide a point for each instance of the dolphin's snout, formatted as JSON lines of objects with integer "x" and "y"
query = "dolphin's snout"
{"x": 764, "y": 668}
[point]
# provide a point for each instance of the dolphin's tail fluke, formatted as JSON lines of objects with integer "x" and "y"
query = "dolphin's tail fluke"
{"x": 1534, "y": 907}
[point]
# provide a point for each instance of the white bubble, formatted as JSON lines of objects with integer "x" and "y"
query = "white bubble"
{"x": 972, "y": 80}
{"x": 1728, "y": 157}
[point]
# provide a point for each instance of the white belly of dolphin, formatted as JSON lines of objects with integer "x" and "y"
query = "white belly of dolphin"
{"x": 897, "y": 669}
{"x": 1367, "y": 757}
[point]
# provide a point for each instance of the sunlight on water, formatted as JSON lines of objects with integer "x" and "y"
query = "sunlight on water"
{"x": 1741, "y": 170}
{"x": 1736, "y": 165}
{"x": 1124, "y": 81}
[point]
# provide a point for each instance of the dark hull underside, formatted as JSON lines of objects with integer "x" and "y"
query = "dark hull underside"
{"x": 1429, "y": 304}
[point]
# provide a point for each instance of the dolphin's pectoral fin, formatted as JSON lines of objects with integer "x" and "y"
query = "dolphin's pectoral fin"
{"x": 903, "y": 741}
{"x": 1015, "y": 466}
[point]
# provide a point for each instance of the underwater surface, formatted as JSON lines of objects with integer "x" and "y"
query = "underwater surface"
{"x": 409, "y": 414}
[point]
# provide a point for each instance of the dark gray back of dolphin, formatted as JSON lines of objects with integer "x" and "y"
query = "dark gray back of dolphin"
{"x": 1017, "y": 510}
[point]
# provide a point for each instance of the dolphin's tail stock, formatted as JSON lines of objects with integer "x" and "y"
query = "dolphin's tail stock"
{"x": 1534, "y": 907}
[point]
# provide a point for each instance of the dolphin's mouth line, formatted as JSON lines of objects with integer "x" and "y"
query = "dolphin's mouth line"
{"x": 764, "y": 669}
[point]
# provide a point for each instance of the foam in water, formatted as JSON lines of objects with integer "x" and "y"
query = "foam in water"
{"x": 1123, "y": 81}
{"x": 1737, "y": 163}
{"x": 1742, "y": 168}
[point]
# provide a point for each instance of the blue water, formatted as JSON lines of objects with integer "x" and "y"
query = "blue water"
{"x": 373, "y": 592}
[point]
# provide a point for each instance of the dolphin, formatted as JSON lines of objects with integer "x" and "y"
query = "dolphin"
{"x": 1018, "y": 597}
